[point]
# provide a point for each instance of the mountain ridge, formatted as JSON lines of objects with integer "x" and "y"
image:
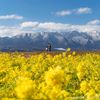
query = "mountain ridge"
{"x": 39, "y": 40}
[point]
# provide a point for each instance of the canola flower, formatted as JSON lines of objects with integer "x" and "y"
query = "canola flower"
{"x": 43, "y": 76}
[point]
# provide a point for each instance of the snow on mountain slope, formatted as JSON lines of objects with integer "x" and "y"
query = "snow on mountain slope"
{"x": 81, "y": 40}
{"x": 39, "y": 40}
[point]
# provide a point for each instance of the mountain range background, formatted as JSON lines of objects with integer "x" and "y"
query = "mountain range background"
{"x": 59, "y": 41}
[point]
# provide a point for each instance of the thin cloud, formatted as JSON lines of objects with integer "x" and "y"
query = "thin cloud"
{"x": 29, "y": 24}
{"x": 13, "y": 16}
{"x": 52, "y": 26}
{"x": 63, "y": 13}
{"x": 9, "y": 31}
{"x": 94, "y": 22}
{"x": 82, "y": 10}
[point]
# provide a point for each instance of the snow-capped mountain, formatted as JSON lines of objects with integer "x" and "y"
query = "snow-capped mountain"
{"x": 39, "y": 40}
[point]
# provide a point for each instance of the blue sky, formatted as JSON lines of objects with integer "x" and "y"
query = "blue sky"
{"x": 73, "y": 12}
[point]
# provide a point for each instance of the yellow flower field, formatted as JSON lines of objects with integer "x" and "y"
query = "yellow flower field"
{"x": 43, "y": 76}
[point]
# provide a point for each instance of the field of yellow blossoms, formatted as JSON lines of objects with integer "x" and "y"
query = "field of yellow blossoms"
{"x": 46, "y": 77}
